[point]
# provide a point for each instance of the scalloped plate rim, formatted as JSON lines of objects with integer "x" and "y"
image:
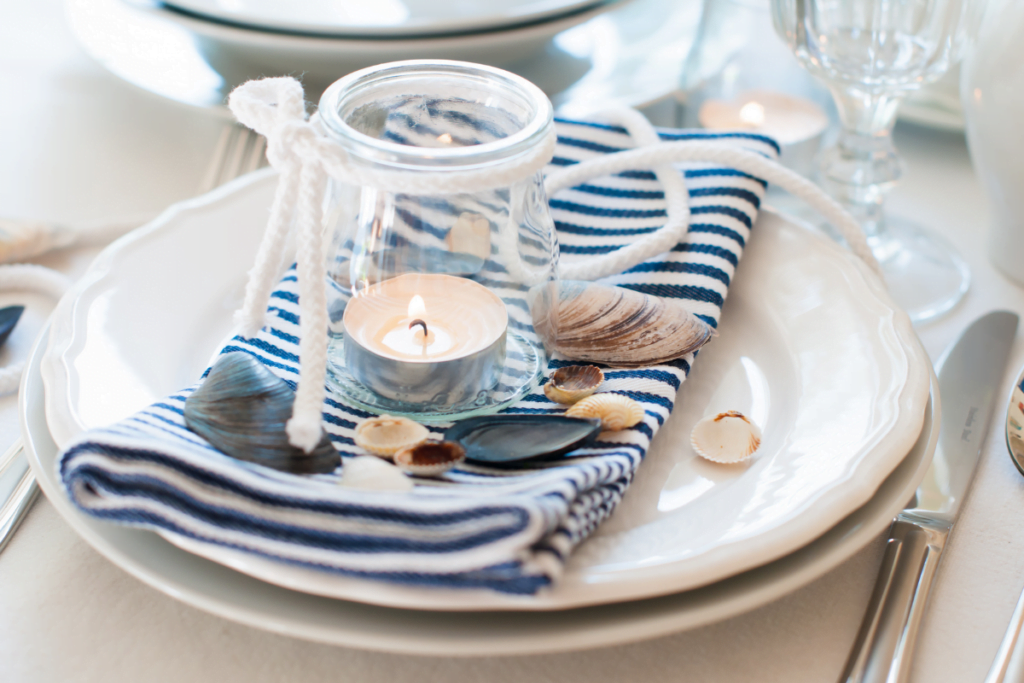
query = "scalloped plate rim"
{"x": 577, "y": 588}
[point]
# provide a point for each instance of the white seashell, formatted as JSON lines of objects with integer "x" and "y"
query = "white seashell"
{"x": 471, "y": 234}
{"x": 386, "y": 435}
{"x": 20, "y": 240}
{"x": 615, "y": 411}
{"x": 728, "y": 437}
{"x": 618, "y": 326}
{"x": 430, "y": 458}
{"x": 573, "y": 383}
{"x": 373, "y": 474}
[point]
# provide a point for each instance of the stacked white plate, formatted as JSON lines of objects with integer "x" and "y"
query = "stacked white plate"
{"x": 588, "y": 52}
{"x": 811, "y": 347}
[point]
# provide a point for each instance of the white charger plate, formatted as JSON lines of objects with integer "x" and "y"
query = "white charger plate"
{"x": 628, "y": 52}
{"x": 811, "y": 348}
{"x": 219, "y": 590}
{"x": 381, "y": 18}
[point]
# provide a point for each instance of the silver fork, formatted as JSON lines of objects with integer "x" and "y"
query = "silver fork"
{"x": 238, "y": 151}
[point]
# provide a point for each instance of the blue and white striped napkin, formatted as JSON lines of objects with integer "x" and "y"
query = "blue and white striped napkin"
{"x": 507, "y": 530}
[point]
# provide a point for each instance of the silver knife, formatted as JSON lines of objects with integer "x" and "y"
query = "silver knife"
{"x": 18, "y": 489}
{"x": 970, "y": 374}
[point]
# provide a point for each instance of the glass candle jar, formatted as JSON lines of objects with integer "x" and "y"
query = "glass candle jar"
{"x": 433, "y": 297}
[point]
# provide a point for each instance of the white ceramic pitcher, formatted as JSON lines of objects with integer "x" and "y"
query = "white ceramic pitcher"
{"x": 992, "y": 91}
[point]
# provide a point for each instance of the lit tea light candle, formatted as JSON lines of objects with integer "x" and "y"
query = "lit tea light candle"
{"x": 789, "y": 120}
{"x": 795, "y": 123}
{"x": 418, "y": 339}
{"x": 431, "y": 340}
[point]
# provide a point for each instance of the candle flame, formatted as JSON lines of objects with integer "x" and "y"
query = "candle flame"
{"x": 417, "y": 309}
{"x": 752, "y": 114}
{"x": 446, "y": 138}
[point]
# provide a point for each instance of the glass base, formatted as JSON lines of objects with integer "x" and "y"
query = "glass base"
{"x": 524, "y": 365}
{"x": 925, "y": 274}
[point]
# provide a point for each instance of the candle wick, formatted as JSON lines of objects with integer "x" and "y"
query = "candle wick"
{"x": 422, "y": 324}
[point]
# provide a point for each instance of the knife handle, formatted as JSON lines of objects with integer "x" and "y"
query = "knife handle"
{"x": 1009, "y": 662}
{"x": 885, "y": 644}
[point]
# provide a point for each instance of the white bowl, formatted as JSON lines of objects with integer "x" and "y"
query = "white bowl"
{"x": 239, "y": 54}
{"x": 381, "y": 18}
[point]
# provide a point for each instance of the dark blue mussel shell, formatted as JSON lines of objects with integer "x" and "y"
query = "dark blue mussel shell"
{"x": 241, "y": 409}
{"x": 515, "y": 438}
{"x": 9, "y": 317}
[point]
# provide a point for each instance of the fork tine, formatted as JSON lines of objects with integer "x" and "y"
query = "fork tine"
{"x": 238, "y": 151}
{"x": 220, "y": 150}
{"x": 235, "y": 156}
{"x": 255, "y": 160}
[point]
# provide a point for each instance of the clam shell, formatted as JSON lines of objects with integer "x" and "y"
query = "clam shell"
{"x": 373, "y": 474}
{"x": 573, "y": 382}
{"x": 615, "y": 411}
{"x": 386, "y": 435}
{"x": 620, "y": 327}
{"x": 728, "y": 437}
{"x": 514, "y": 438}
{"x": 9, "y": 317}
{"x": 430, "y": 458}
{"x": 241, "y": 409}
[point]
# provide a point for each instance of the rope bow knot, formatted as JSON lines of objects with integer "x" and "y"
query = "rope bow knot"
{"x": 276, "y": 109}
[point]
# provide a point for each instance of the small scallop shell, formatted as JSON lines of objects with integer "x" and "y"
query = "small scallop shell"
{"x": 728, "y": 437}
{"x": 615, "y": 411}
{"x": 573, "y": 382}
{"x": 386, "y": 435}
{"x": 430, "y": 458}
{"x": 373, "y": 474}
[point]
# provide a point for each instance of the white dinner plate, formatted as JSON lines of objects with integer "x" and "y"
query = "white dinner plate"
{"x": 381, "y": 18}
{"x": 629, "y": 52}
{"x": 216, "y": 589}
{"x": 811, "y": 348}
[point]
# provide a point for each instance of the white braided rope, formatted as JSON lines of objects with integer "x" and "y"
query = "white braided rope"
{"x": 677, "y": 205}
{"x": 307, "y": 158}
{"x": 270, "y": 257}
{"x": 304, "y": 427}
{"x": 26, "y": 277}
{"x": 742, "y": 160}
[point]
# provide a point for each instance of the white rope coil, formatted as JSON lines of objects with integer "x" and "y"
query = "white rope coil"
{"x": 26, "y": 277}
{"x": 742, "y": 160}
{"x": 306, "y": 158}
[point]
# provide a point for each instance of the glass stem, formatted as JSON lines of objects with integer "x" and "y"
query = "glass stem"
{"x": 861, "y": 168}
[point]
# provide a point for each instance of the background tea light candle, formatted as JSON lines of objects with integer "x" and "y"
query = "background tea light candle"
{"x": 787, "y": 119}
{"x": 428, "y": 339}
{"x": 795, "y": 123}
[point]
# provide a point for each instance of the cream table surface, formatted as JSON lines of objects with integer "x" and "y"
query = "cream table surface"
{"x": 76, "y": 144}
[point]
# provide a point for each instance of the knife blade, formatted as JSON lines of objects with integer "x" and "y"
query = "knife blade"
{"x": 970, "y": 374}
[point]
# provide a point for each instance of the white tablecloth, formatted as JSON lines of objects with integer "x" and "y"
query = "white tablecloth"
{"x": 78, "y": 144}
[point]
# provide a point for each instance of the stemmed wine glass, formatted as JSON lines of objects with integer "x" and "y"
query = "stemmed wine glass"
{"x": 870, "y": 54}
